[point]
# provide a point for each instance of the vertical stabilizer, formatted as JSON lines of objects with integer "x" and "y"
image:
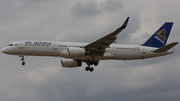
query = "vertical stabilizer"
{"x": 160, "y": 37}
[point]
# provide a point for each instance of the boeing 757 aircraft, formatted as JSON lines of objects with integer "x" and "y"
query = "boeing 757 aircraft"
{"x": 91, "y": 53}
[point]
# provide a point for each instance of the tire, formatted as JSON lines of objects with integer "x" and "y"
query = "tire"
{"x": 87, "y": 68}
{"x": 91, "y": 69}
{"x": 23, "y": 63}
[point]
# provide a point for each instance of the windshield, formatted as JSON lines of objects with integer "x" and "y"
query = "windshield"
{"x": 10, "y": 45}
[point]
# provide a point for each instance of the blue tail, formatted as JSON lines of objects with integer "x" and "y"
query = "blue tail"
{"x": 160, "y": 37}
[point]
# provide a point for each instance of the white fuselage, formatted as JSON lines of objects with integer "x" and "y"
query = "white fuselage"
{"x": 59, "y": 49}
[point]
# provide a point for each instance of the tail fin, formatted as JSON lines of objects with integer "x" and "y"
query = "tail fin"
{"x": 160, "y": 37}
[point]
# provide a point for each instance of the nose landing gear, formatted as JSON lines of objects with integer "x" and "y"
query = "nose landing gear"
{"x": 22, "y": 59}
{"x": 23, "y": 63}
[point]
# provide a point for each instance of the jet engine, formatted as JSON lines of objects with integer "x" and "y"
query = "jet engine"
{"x": 75, "y": 51}
{"x": 70, "y": 63}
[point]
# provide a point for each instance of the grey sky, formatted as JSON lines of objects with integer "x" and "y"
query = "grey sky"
{"x": 43, "y": 78}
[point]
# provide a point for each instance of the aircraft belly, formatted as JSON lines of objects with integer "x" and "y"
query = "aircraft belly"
{"x": 128, "y": 55}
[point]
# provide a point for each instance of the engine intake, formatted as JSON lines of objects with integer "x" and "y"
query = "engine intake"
{"x": 70, "y": 63}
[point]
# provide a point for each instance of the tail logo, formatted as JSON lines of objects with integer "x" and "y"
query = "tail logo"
{"x": 161, "y": 34}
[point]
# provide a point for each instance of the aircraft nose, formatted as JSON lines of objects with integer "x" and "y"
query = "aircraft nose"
{"x": 4, "y": 50}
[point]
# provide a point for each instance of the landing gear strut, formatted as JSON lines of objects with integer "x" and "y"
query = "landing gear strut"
{"x": 22, "y": 59}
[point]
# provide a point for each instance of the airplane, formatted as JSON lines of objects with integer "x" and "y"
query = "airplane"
{"x": 73, "y": 53}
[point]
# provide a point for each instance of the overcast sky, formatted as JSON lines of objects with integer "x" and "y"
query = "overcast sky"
{"x": 43, "y": 78}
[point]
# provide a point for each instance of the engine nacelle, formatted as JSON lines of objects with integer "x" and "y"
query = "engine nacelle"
{"x": 69, "y": 63}
{"x": 75, "y": 51}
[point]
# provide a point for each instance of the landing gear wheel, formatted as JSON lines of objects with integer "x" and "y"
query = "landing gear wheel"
{"x": 87, "y": 68}
{"x": 23, "y": 63}
{"x": 91, "y": 69}
{"x": 96, "y": 63}
{"x": 91, "y": 62}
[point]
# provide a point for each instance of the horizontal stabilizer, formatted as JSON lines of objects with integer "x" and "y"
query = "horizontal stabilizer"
{"x": 166, "y": 48}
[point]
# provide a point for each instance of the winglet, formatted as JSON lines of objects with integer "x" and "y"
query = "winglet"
{"x": 125, "y": 23}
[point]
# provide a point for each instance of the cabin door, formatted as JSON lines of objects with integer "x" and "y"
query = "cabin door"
{"x": 143, "y": 51}
{"x": 55, "y": 47}
{"x": 20, "y": 45}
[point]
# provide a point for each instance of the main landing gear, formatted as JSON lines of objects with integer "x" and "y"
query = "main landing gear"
{"x": 22, "y": 59}
{"x": 91, "y": 69}
{"x": 92, "y": 62}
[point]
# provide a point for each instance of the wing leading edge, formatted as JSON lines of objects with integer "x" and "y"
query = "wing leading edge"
{"x": 104, "y": 42}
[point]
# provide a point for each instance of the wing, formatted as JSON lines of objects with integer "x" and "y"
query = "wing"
{"x": 101, "y": 44}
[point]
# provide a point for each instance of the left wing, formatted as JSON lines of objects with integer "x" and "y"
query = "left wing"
{"x": 101, "y": 44}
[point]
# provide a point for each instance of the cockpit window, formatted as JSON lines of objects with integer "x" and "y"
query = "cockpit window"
{"x": 10, "y": 45}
